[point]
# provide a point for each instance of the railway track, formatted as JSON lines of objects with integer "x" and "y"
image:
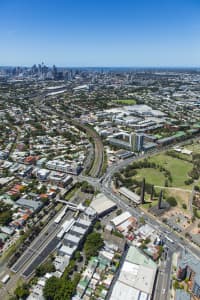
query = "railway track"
{"x": 96, "y": 167}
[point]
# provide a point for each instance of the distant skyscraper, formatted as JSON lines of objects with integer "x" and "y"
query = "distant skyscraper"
{"x": 137, "y": 141}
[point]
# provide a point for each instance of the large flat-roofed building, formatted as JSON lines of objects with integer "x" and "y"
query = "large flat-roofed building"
{"x": 129, "y": 195}
{"x": 182, "y": 295}
{"x": 102, "y": 204}
{"x": 70, "y": 239}
{"x": 66, "y": 250}
{"x": 77, "y": 230}
{"x": 83, "y": 223}
{"x": 122, "y": 291}
{"x": 136, "y": 278}
{"x": 121, "y": 218}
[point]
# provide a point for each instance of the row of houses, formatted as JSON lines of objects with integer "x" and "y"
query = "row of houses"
{"x": 71, "y": 236}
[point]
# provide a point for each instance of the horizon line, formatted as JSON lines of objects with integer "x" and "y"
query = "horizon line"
{"x": 114, "y": 66}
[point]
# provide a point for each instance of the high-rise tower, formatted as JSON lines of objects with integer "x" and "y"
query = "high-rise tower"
{"x": 136, "y": 141}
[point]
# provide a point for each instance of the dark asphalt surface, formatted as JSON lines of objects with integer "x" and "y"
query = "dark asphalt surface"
{"x": 50, "y": 247}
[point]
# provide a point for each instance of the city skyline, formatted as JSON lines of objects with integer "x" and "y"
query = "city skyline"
{"x": 77, "y": 34}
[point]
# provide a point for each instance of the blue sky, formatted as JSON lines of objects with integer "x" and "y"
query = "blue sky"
{"x": 100, "y": 32}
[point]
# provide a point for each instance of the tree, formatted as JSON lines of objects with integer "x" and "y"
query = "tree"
{"x": 119, "y": 212}
{"x": 5, "y": 217}
{"x": 97, "y": 225}
{"x": 47, "y": 267}
{"x": 142, "y": 220}
{"x": 78, "y": 256}
{"x": 196, "y": 188}
{"x": 176, "y": 285}
{"x": 43, "y": 189}
{"x": 93, "y": 243}
{"x": 87, "y": 202}
{"x": 87, "y": 188}
{"x": 15, "y": 197}
{"x": 189, "y": 181}
{"x": 166, "y": 183}
{"x": 172, "y": 201}
{"x": 160, "y": 251}
{"x": 22, "y": 291}
{"x": 52, "y": 285}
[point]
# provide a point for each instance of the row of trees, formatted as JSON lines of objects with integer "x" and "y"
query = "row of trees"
{"x": 5, "y": 213}
{"x": 93, "y": 244}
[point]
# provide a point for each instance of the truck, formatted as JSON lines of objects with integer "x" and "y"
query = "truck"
{"x": 5, "y": 279}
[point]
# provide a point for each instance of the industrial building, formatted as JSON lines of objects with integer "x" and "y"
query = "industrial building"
{"x": 121, "y": 218}
{"x": 102, "y": 205}
{"x": 72, "y": 234}
{"x": 129, "y": 195}
{"x": 137, "y": 277}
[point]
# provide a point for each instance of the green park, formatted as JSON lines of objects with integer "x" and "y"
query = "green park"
{"x": 172, "y": 172}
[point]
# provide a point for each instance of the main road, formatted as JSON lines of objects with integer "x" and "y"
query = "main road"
{"x": 174, "y": 243}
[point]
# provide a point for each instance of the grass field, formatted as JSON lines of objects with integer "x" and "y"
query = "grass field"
{"x": 125, "y": 101}
{"x": 179, "y": 169}
{"x": 181, "y": 196}
{"x": 149, "y": 204}
{"x": 152, "y": 176}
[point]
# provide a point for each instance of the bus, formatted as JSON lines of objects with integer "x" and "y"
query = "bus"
{"x": 5, "y": 279}
{"x": 170, "y": 240}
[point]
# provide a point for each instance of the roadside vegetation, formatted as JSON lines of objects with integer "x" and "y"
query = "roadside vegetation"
{"x": 125, "y": 101}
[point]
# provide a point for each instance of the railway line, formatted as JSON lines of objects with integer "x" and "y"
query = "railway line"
{"x": 95, "y": 170}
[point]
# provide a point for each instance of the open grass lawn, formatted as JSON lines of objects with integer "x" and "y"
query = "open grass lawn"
{"x": 125, "y": 101}
{"x": 181, "y": 196}
{"x": 179, "y": 169}
{"x": 152, "y": 176}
